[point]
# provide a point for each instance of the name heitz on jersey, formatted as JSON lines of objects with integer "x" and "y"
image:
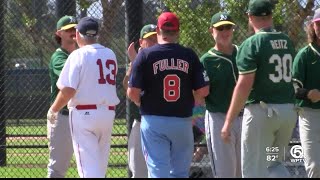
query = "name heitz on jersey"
{"x": 279, "y": 44}
{"x": 165, "y": 64}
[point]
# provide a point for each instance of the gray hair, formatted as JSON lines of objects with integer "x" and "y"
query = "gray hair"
{"x": 88, "y": 38}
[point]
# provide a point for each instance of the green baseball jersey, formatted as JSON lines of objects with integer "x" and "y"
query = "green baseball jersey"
{"x": 268, "y": 54}
{"x": 223, "y": 73}
{"x": 306, "y": 66}
{"x": 56, "y": 64}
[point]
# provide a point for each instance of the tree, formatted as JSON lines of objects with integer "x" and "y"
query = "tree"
{"x": 27, "y": 22}
{"x": 195, "y": 17}
{"x": 111, "y": 9}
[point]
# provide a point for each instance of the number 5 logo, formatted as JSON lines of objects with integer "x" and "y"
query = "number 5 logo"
{"x": 296, "y": 152}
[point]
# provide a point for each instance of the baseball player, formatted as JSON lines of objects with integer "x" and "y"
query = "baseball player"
{"x": 306, "y": 80}
{"x": 264, "y": 61}
{"x": 137, "y": 164}
{"x": 60, "y": 143}
{"x": 87, "y": 84}
{"x": 220, "y": 64}
{"x": 167, "y": 73}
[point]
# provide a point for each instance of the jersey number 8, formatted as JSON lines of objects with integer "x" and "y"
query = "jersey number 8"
{"x": 283, "y": 68}
{"x": 171, "y": 88}
{"x": 110, "y": 78}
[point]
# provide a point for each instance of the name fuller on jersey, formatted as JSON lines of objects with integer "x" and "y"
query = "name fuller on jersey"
{"x": 165, "y": 64}
{"x": 279, "y": 44}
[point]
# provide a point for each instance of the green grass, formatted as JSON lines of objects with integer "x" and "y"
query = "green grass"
{"x": 11, "y": 172}
{"x": 119, "y": 127}
{"x": 32, "y": 162}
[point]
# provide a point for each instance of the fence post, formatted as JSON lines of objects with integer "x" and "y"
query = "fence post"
{"x": 65, "y": 8}
{"x": 3, "y": 152}
{"x": 133, "y": 20}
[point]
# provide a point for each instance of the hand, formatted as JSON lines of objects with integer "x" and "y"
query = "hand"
{"x": 314, "y": 95}
{"x": 52, "y": 116}
{"x": 199, "y": 100}
{"x": 225, "y": 134}
{"x": 132, "y": 53}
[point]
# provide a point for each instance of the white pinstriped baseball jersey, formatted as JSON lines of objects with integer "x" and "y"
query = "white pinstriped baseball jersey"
{"x": 91, "y": 70}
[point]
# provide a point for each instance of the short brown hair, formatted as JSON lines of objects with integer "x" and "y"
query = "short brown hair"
{"x": 312, "y": 37}
{"x": 168, "y": 32}
{"x": 58, "y": 39}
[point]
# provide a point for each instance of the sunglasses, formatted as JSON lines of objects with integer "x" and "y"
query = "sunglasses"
{"x": 224, "y": 27}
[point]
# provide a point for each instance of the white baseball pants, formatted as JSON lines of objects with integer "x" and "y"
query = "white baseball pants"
{"x": 91, "y": 136}
{"x": 309, "y": 127}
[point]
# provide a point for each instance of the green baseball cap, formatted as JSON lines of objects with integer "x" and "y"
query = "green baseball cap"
{"x": 260, "y": 7}
{"x": 148, "y": 30}
{"x": 221, "y": 18}
{"x": 66, "y": 22}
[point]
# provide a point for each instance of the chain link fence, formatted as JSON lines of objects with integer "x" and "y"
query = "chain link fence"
{"x": 27, "y": 41}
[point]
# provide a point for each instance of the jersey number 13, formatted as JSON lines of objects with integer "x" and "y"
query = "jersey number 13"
{"x": 109, "y": 78}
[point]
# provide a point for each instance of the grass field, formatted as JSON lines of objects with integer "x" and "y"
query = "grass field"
{"x": 32, "y": 162}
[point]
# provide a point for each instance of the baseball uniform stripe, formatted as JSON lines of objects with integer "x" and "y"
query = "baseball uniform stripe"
{"x": 297, "y": 81}
{"x": 224, "y": 58}
{"x": 92, "y": 106}
{"x": 314, "y": 49}
{"x": 209, "y": 145}
{"x": 71, "y": 120}
{"x": 81, "y": 167}
{"x": 248, "y": 72}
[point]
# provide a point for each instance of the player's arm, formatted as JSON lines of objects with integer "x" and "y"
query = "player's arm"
{"x": 132, "y": 55}
{"x": 239, "y": 97}
{"x": 201, "y": 93}
{"x": 298, "y": 77}
{"x": 126, "y": 77}
{"x": 62, "y": 99}
{"x": 58, "y": 63}
{"x": 136, "y": 81}
{"x": 300, "y": 92}
{"x": 200, "y": 80}
{"x": 134, "y": 95}
{"x": 305, "y": 94}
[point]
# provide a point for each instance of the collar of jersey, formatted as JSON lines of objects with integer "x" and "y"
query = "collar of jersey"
{"x": 93, "y": 46}
{"x": 60, "y": 49}
{"x": 315, "y": 48}
{"x": 221, "y": 53}
{"x": 268, "y": 29}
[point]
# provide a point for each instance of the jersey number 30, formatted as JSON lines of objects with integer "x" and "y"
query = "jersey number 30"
{"x": 110, "y": 78}
{"x": 171, "y": 88}
{"x": 283, "y": 68}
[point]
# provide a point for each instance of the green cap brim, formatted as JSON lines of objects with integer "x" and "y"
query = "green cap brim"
{"x": 149, "y": 34}
{"x": 223, "y": 23}
{"x": 68, "y": 26}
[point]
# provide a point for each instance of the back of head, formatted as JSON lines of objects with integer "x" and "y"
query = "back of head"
{"x": 88, "y": 28}
{"x": 168, "y": 23}
{"x": 260, "y": 8}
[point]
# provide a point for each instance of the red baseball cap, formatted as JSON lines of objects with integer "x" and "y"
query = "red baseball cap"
{"x": 168, "y": 21}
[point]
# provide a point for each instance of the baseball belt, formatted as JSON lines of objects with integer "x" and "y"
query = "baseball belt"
{"x": 269, "y": 109}
{"x": 64, "y": 112}
{"x": 93, "y": 106}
